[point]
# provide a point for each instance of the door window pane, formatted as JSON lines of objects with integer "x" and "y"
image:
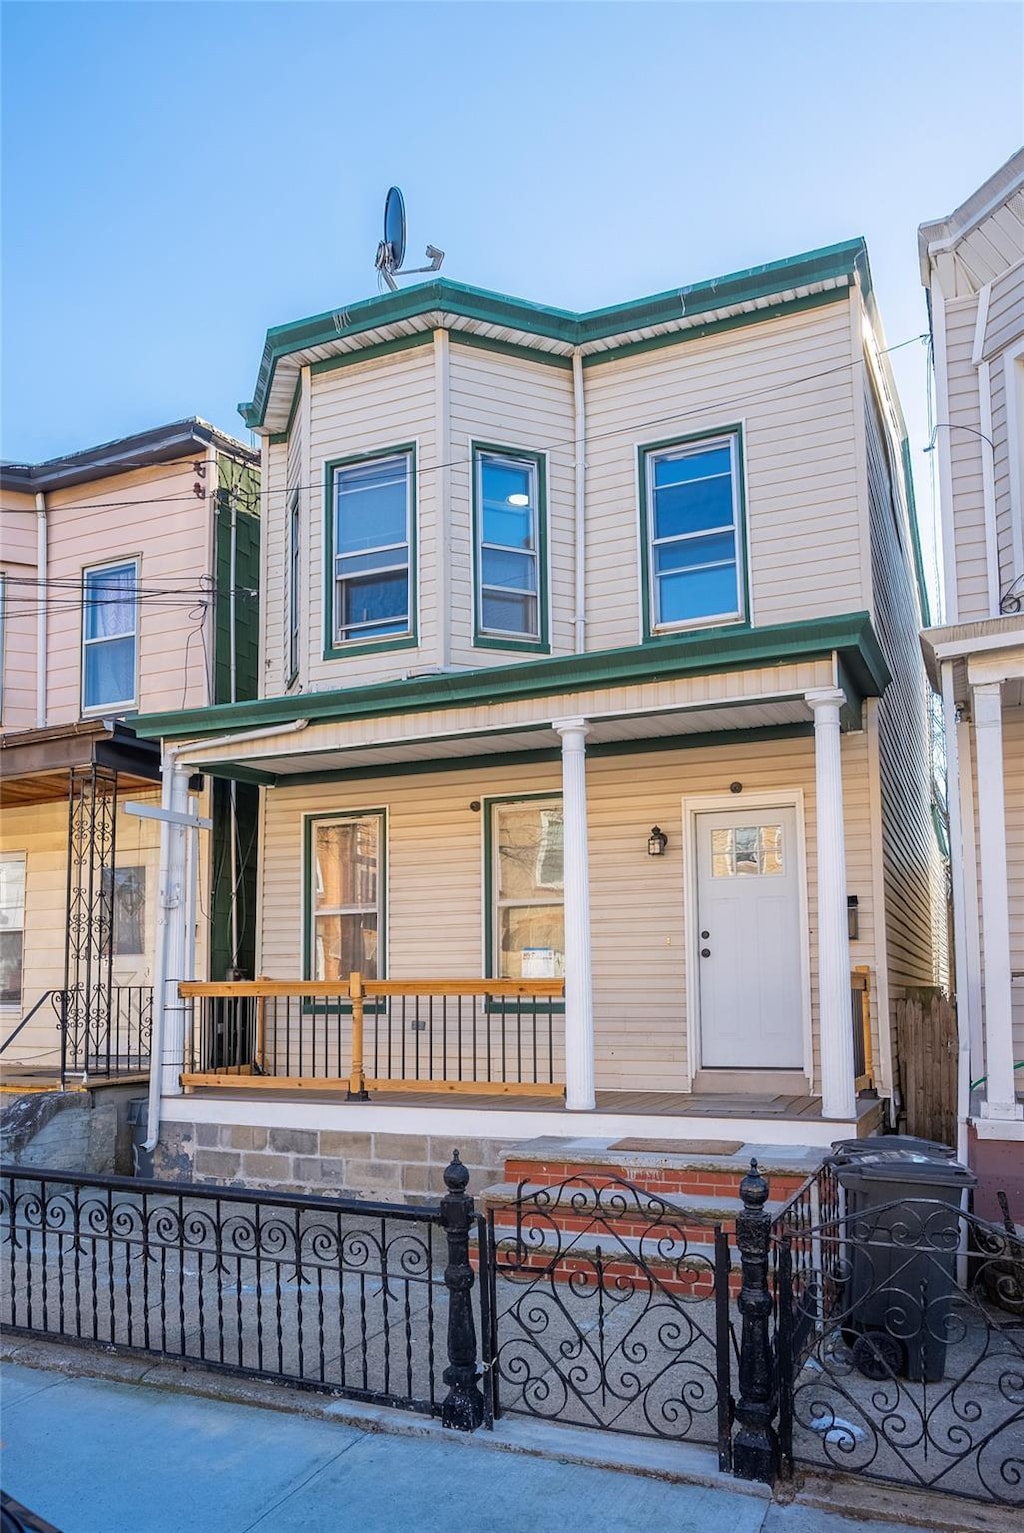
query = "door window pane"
{"x": 129, "y": 896}
{"x": 346, "y": 897}
{"x": 746, "y": 850}
{"x": 529, "y": 918}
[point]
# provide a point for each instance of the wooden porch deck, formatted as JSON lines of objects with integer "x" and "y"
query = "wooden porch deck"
{"x": 660, "y": 1104}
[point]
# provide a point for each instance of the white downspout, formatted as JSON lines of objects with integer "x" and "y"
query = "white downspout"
{"x": 580, "y": 614}
{"x": 172, "y": 776}
{"x": 41, "y": 611}
{"x": 956, "y": 857}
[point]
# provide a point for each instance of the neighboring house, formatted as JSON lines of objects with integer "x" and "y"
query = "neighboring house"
{"x": 589, "y": 652}
{"x": 129, "y": 576}
{"x": 972, "y": 265}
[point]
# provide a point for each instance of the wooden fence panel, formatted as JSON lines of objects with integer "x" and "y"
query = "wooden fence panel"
{"x": 927, "y": 1043}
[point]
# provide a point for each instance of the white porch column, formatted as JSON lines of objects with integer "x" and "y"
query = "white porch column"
{"x": 838, "y": 1091}
{"x": 173, "y": 930}
{"x": 987, "y": 707}
{"x": 579, "y": 1006}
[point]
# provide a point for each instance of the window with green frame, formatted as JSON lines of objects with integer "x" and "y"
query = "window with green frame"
{"x": 372, "y": 539}
{"x": 509, "y": 553}
{"x": 526, "y": 918}
{"x": 345, "y": 895}
{"x": 693, "y": 532}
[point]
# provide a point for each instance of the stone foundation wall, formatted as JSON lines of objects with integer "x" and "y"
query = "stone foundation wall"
{"x": 397, "y": 1168}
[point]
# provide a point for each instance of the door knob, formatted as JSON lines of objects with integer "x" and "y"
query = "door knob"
{"x": 705, "y": 952}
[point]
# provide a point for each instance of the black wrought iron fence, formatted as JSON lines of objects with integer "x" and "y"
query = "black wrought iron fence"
{"x": 369, "y": 1300}
{"x": 610, "y": 1308}
{"x": 900, "y": 1348}
{"x": 104, "y": 1032}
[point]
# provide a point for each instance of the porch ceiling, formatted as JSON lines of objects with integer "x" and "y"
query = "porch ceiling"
{"x": 609, "y": 734}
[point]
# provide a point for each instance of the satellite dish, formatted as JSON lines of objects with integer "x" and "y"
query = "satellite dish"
{"x": 391, "y": 250}
{"x": 394, "y": 226}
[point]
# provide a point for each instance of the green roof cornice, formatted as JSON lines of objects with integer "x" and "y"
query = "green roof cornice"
{"x": 562, "y": 326}
{"x": 713, "y": 650}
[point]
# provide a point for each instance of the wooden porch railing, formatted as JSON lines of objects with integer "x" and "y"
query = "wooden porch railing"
{"x": 473, "y": 1035}
{"x": 860, "y": 1016}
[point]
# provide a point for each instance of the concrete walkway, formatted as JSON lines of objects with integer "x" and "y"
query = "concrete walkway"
{"x": 94, "y": 1456}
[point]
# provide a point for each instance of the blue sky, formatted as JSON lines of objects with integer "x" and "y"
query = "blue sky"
{"x": 177, "y": 177}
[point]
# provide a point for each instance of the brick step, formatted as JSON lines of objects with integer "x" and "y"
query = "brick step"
{"x": 680, "y": 1171}
{"x": 580, "y": 1206}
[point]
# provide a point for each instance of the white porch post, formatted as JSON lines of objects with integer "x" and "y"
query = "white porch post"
{"x": 999, "y": 1099}
{"x": 174, "y": 916}
{"x": 579, "y": 1006}
{"x": 838, "y": 1091}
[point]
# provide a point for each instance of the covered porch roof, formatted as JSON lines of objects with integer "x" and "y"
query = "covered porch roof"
{"x": 685, "y": 692}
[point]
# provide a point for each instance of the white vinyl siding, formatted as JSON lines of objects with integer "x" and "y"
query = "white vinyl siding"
{"x": 368, "y": 408}
{"x": 436, "y": 860}
{"x": 788, "y": 381}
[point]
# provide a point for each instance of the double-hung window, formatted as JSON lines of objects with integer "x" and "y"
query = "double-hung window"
{"x": 12, "y": 927}
{"x": 110, "y": 635}
{"x": 372, "y": 511}
{"x": 526, "y": 879}
{"x": 508, "y": 498}
{"x": 693, "y": 533}
{"x": 294, "y": 585}
{"x": 346, "y": 919}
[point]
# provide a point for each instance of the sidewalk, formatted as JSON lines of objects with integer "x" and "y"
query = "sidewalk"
{"x": 94, "y": 1456}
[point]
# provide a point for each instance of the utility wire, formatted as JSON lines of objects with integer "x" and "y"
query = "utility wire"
{"x": 466, "y": 462}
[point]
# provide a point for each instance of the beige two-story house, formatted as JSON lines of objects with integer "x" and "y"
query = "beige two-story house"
{"x": 128, "y": 580}
{"x": 972, "y": 266}
{"x": 591, "y": 741}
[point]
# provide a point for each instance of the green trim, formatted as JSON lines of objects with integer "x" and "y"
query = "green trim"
{"x": 308, "y": 821}
{"x": 239, "y": 772}
{"x": 644, "y": 451}
{"x": 350, "y": 647}
{"x": 648, "y": 745}
{"x": 372, "y": 353}
{"x": 482, "y": 640}
{"x": 487, "y": 805}
{"x": 851, "y": 714}
{"x": 572, "y": 329}
{"x": 780, "y": 310}
{"x": 705, "y": 651}
{"x": 510, "y": 349}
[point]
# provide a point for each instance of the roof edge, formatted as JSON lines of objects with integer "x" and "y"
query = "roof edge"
{"x": 143, "y": 449}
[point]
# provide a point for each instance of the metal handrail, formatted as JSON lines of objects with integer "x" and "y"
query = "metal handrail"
{"x": 46, "y": 996}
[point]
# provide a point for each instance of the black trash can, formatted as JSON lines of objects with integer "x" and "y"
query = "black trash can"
{"x": 904, "y": 1144}
{"x": 901, "y": 1255}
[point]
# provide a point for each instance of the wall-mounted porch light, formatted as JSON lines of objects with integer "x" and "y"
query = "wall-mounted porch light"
{"x": 656, "y": 841}
{"x": 852, "y": 917}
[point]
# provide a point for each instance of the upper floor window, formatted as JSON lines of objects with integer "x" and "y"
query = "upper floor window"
{"x": 294, "y": 587}
{"x": 508, "y": 501}
{"x": 692, "y": 533}
{"x": 110, "y": 635}
{"x": 372, "y": 527}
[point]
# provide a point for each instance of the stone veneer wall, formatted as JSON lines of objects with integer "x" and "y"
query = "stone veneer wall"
{"x": 341, "y": 1163}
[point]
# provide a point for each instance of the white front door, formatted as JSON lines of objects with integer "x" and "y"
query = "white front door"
{"x": 749, "y": 948}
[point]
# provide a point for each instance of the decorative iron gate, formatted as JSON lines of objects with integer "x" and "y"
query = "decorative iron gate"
{"x": 900, "y": 1348}
{"x": 609, "y": 1307}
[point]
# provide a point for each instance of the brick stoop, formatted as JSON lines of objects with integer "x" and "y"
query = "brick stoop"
{"x": 694, "y": 1176}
